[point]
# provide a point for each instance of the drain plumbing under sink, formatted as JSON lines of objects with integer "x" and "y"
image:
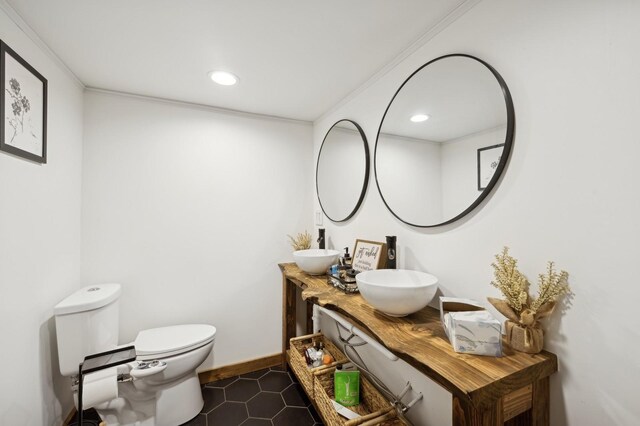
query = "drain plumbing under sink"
{"x": 349, "y": 349}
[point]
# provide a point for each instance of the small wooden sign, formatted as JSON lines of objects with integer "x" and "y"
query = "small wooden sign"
{"x": 369, "y": 255}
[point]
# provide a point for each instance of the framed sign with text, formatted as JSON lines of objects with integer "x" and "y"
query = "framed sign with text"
{"x": 369, "y": 255}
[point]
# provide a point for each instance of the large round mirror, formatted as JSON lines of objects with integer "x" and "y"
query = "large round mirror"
{"x": 342, "y": 172}
{"x": 444, "y": 140}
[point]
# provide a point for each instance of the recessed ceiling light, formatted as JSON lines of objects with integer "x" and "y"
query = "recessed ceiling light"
{"x": 223, "y": 78}
{"x": 419, "y": 118}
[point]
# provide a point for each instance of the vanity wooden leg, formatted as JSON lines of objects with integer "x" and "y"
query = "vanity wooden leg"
{"x": 465, "y": 414}
{"x": 288, "y": 316}
{"x": 309, "y": 320}
{"x": 540, "y": 403}
{"x": 538, "y": 415}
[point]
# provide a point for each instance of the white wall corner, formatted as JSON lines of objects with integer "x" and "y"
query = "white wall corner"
{"x": 37, "y": 40}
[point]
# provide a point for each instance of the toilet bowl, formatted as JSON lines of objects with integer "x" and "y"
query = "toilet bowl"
{"x": 172, "y": 395}
{"x": 165, "y": 389}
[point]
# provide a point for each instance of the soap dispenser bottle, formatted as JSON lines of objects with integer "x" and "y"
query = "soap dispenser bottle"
{"x": 345, "y": 260}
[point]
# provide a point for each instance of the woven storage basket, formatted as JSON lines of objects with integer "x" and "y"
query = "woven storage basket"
{"x": 299, "y": 364}
{"x": 374, "y": 409}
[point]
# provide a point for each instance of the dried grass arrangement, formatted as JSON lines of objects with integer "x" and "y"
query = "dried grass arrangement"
{"x": 302, "y": 241}
{"x": 523, "y": 311}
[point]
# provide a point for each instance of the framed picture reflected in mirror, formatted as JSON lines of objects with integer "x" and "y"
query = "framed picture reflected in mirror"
{"x": 488, "y": 160}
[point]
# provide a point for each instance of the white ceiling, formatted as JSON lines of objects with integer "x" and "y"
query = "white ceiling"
{"x": 295, "y": 59}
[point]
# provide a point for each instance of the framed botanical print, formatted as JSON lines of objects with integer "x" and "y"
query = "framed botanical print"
{"x": 488, "y": 160}
{"x": 23, "y": 107}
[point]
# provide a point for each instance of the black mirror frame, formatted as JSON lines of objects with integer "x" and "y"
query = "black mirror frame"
{"x": 366, "y": 171}
{"x": 508, "y": 143}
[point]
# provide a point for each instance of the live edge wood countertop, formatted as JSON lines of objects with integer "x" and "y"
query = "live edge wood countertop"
{"x": 420, "y": 340}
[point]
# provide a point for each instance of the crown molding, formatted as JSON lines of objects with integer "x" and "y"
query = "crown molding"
{"x": 35, "y": 38}
{"x": 195, "y": 105}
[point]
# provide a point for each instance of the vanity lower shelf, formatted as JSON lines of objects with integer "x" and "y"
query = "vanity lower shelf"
{"x": 374, "y": 409}
{"x": 512, "y": 389}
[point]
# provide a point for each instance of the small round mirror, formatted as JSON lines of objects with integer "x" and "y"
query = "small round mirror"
{"x": 444, "y": 140}
{"x": 342, "y": 171}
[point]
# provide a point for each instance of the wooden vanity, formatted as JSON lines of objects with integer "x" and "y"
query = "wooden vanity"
{"x": 512, "y": 389}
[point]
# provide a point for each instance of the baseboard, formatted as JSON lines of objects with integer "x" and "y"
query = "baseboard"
{"x": 244, "y": 367}
{"x": 70, "y": 417}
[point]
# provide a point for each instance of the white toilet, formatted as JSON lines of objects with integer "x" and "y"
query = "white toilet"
{"x": 168, "y": 394}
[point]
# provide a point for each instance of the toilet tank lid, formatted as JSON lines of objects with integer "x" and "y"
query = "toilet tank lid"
{"x": 88, "y": 298}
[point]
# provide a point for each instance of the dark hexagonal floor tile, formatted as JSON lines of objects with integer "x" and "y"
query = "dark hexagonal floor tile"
{"x": 257, "y": 422}
{"x": 222, "y": 383}
{"x": 278, "y": 368}
{"x": 294, "y": 396}
{"x": 228, "y": 414}
{"x": 199, "y": 420}
{"x": 212, "y": 398}
{"x": 242, "y": 390}
{"x": 265, "y": 405}
{"x": 294, "y": 379}
{"x": 293, "y": 416}
{"x": 254, "y": 374}
{"x": 275, "y": 381}
{"x": 315, "y": 415}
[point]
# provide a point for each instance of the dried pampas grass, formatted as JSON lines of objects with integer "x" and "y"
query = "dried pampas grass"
{"x": 302, "y": 241}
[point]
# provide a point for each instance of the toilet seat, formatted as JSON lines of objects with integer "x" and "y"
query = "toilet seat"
{"x": 163, "y": 342}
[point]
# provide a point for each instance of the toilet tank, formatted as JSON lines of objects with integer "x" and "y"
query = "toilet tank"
{"x": 86, "y": 323}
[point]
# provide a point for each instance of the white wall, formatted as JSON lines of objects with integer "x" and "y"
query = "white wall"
{"x": 569, "y": 193}
{"x": 188, "y": 208}
{"x": 39, "y": 248}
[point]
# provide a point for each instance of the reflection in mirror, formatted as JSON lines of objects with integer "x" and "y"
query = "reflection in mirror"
{"x": 443, "y": 141}
{"x": 342, "y": 172}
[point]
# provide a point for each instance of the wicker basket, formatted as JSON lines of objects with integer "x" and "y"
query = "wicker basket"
{"x": 299, "y": 364}
{"x": 373, "y": 408}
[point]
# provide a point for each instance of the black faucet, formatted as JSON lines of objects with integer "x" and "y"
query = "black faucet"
{"x": 321, "y": 241}
{"x": 391, "y": 252}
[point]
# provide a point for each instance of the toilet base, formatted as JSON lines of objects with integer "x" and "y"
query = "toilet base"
{"x": 168, "y": 405}
{"x": 179, "y": 403}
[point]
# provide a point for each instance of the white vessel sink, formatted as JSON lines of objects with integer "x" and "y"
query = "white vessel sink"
{"x": 397, "y": 292}
{"x": 315, "y": 261}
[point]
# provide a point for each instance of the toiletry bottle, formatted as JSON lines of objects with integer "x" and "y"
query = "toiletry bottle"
{"x": 346, "y": 258}
{"x": 346, "y": 387}
{"x": 320, "y": 352}
{"x": 307, "y": 358}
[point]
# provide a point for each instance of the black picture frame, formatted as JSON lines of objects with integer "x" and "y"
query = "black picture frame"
{"x": 26, "y": 117}
{"x": 483, "y": 182}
